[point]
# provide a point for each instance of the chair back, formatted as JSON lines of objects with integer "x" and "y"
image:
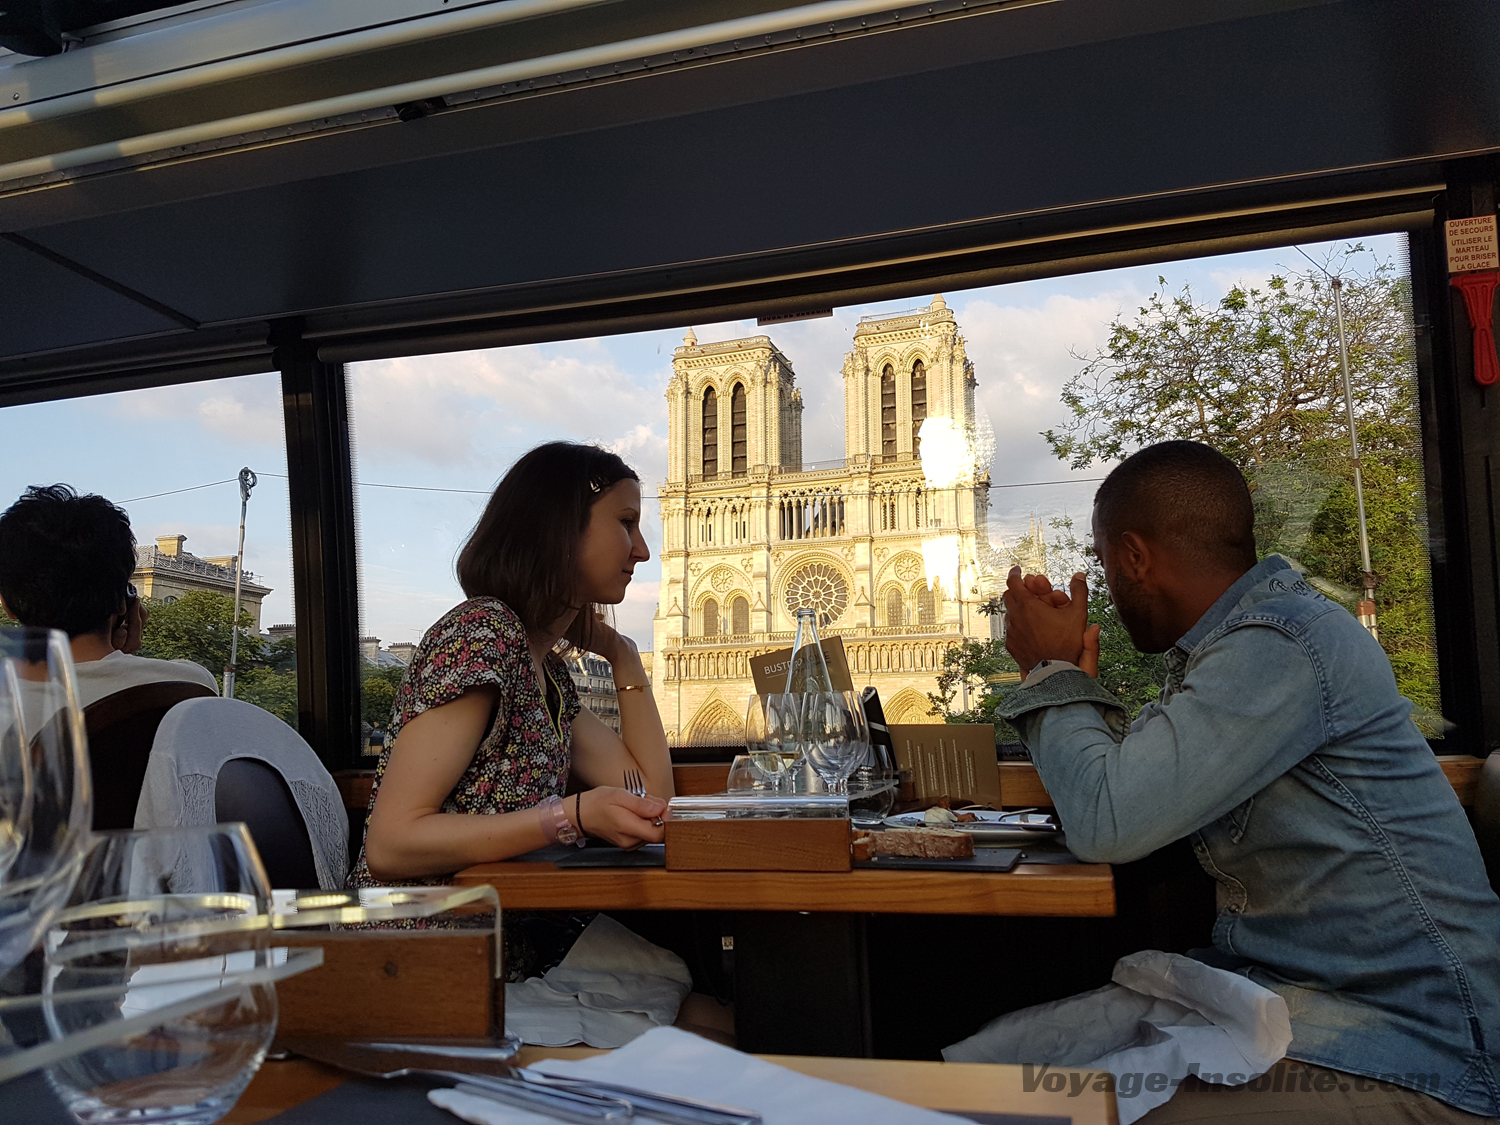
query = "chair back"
{"x": 251, "y": 790}
{"x": 1486, "y": 817}
{"x": 121, "y": 728}
{"x": 217, "y": 760}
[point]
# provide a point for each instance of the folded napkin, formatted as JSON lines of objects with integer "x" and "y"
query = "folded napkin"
{"x": 670, "y": 1061}
{"x": 612, "y": 986}
{"x": 1164, "y": 1014}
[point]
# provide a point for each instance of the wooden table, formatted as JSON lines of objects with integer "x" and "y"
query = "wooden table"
{"x": 1084, "y": 890}
{"x": 955, "y": 1087}
{"x": 818, "y": 1002}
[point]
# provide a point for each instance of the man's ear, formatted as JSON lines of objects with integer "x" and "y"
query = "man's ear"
{"x": 1133, "y": 557}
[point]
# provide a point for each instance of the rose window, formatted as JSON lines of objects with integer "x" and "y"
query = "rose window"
{"x": 821, "y": 588}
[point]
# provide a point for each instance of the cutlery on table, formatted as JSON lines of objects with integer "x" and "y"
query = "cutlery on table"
{"x": 636, "y": 784}
{"x": 571, "y": 1099}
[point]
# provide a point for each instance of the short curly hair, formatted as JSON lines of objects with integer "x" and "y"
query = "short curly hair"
{"x": 1184, "y": 493}
{"x": 65, "y": 559}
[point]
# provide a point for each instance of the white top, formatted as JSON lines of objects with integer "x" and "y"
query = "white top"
{"x": 118, "y": 671}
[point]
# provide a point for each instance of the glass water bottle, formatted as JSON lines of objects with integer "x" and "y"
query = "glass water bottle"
{"x": 806, "y": 675}
{"x": 807, "y": 671}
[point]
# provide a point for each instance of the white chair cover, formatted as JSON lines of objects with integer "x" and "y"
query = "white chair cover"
{"x": 199, "y": 735}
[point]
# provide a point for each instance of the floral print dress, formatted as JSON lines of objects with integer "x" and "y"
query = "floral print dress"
{"x": 523, "y": 757}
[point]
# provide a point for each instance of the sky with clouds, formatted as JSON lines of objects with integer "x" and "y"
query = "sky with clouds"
{"x": 457, "y": 422}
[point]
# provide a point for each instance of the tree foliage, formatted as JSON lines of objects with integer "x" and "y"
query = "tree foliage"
{"x": 378, "y": 686}
{"x": 196, "y": 627}
{"x": 1257, "y": 376}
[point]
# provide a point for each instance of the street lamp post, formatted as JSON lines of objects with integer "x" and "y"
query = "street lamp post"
{"x": 247, "y": 482}
{"x": 1367, "y": 603}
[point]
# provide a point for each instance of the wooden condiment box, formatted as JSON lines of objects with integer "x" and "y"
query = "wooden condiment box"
{"x": 755, "y": 844}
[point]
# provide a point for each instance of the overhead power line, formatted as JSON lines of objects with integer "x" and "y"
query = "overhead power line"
{"x": 177, "y": 491}
{"x": 486, "y": 492}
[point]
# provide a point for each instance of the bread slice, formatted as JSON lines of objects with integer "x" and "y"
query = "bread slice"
{"x": 862, "y": 846}
{"x": 924, "y": 843}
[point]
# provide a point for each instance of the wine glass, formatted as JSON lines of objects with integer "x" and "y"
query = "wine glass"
{"x": 784, "y": 733}
{"x": 874, "y": 783}
{"x": 168, "y": 921}
{"x": 837, "y": 737}
{"x": 49, "y": 853}
{"x": 767, "y": 757}
{"x": 15, "y": 773}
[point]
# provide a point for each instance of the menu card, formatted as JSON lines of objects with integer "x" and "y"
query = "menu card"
{"x": 770, "y": 668}
{"x": 953, "y": 760}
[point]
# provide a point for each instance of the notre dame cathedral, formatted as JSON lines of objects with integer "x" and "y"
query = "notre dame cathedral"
{"x": 888, "y": 544}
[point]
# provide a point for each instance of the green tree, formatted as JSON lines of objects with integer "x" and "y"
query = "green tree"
{"x": 195, "y": 627}
{"x": 271, "y": 690}
{"x": 981, "y": 665}
{"x": 378, "y": 693}
{"x": 1257, "y": 376}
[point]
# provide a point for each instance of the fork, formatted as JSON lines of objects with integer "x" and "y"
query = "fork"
{"x": 636, "y": 784}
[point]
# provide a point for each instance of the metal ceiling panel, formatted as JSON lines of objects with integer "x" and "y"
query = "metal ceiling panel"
{"x": 939, "y": 132}
{"x": 44, "y": 306}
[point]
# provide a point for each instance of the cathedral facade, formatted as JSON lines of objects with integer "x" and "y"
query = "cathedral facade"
{"x": 887, "y": 544}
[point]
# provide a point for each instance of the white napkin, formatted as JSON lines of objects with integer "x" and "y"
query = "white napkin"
{"x": 1165, "y": 1014}
{"x": 670, "y": 1061}
{"x": 612, "y": 986}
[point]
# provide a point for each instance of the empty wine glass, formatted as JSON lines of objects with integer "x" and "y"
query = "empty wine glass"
{"x": 784, "y": 727}
{"x": 15, "y": 773}
{"x": 874, "y": 783}
{"x": 167, "y": 921}
{"x": 836, "y": 737}
{"x": 48, "y": 854}
{"x": 768, "y": 757}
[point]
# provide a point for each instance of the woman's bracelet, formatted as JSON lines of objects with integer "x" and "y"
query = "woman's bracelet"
{"x": 555, "y": 823}
{"x": 631, "y": 687}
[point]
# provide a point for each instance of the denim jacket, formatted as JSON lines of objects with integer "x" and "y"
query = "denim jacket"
{"x": 1349, "y": 880}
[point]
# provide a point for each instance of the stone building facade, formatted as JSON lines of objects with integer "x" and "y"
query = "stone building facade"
{"x": 165, "y": 571}
{"x": 888, "y": 544}
{"x": 595, "y": 681}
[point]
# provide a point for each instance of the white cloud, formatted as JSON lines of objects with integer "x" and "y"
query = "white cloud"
{"x": 466, "y": 409}
{"x": 241, "y": 409}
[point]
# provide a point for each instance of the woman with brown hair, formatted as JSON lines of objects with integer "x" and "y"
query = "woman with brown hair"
{"x": 487, "y": 722}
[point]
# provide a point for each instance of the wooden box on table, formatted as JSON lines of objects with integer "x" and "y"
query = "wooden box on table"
{"x": 395, "y": 984}
{"x": 753, "y": 844}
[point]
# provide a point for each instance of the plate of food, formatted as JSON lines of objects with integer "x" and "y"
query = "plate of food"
{"x": 985, "y": 825}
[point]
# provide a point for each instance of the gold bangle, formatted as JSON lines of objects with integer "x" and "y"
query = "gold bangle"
{"x": 631, "y": 687}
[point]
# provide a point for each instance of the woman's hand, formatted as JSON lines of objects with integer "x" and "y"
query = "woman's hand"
{"x": 603, "y": 640}
{"x": 622, "y": 818}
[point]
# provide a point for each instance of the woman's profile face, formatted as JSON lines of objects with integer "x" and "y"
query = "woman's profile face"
{"x": 612, "y": 544}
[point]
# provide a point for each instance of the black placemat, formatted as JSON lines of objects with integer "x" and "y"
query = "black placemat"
{"x": 650, "y": 855}
{"x": 29, "y": 1099}
{"x": 994, "y": 860}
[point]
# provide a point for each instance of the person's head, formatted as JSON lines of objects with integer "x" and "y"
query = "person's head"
{"x": 561, "y": 532}
{"x": 65, "y": 560}
{"x": 1172, "y": 525}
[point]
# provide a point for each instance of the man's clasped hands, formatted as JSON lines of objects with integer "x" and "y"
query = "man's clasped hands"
{"x": 1047, "y": 624}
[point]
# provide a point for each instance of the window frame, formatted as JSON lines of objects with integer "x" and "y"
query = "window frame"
{"x": 1459, "y": 440}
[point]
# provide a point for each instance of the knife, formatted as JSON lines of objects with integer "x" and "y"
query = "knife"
{"x": 486, "y": 1065}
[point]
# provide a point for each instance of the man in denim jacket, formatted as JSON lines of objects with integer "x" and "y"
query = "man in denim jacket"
{"x": 1349, "y": 880}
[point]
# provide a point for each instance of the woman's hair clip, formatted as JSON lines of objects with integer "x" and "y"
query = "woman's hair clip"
{"x": 595, "y": 487}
